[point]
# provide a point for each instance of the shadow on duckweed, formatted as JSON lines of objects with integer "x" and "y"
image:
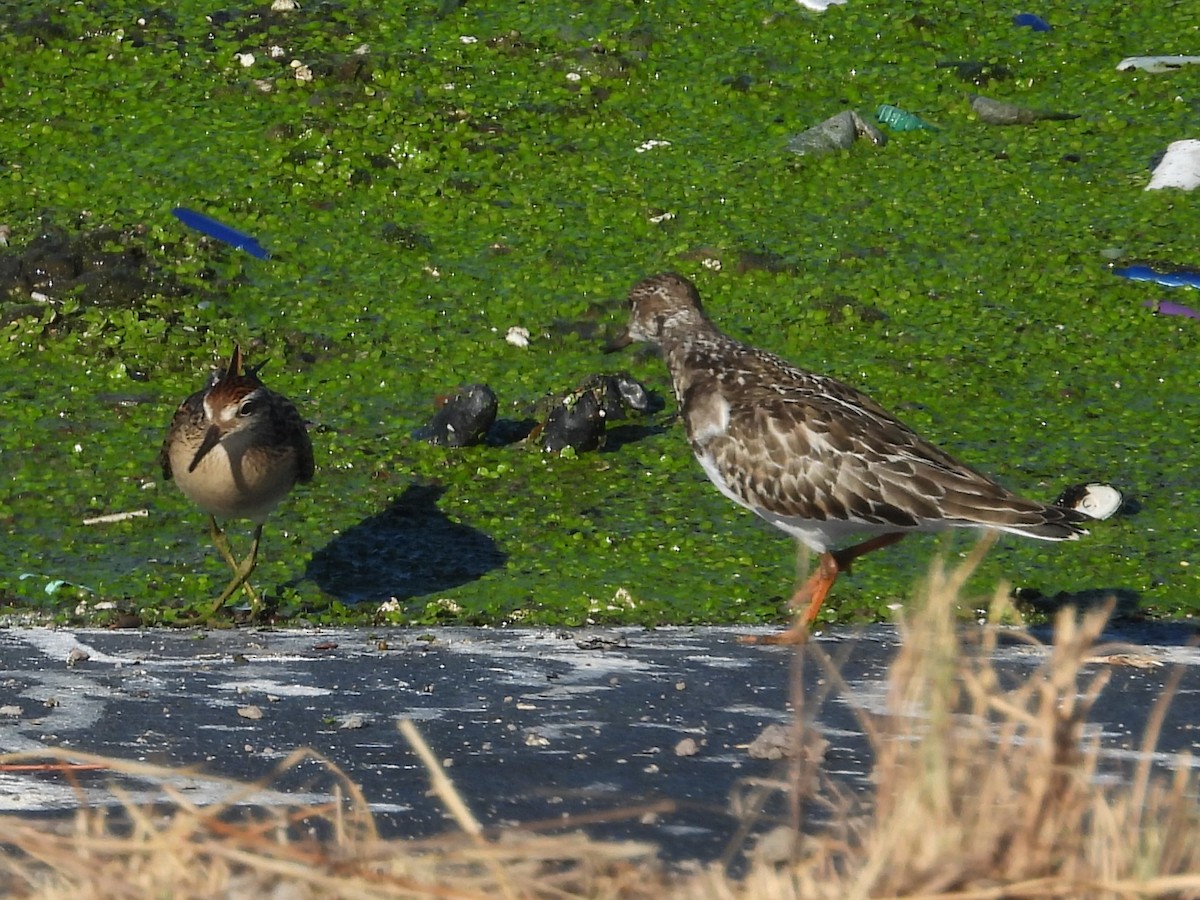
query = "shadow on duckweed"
{"x": 409, "y": 549}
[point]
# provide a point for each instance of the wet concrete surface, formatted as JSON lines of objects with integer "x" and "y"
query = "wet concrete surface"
{"x": 534, "y": 725}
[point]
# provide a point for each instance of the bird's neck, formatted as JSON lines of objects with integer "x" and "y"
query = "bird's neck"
{"x": 694, "y": 353}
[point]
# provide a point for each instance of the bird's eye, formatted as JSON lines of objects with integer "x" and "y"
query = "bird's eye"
{"x": 247, "y": 407}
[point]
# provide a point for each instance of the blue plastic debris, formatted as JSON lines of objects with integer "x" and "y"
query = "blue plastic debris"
{"x": 1029, "y": 20}
{"x": 214, "y": 229}
{"x": 1168, "y": 279}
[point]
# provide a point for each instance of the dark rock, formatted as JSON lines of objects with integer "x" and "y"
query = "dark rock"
{"x": 463, "y": 420}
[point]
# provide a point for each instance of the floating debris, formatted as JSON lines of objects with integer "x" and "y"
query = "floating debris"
{"x": 1178, "y": 168}
{"x": 819, "y": 5}
{"x": 901, "y": 120}
{"x": 1167, "y": 308}
{"x": 835, "y": 133}
{"x": 518, "y": 336}
{"x": 995, "y": 112}
{"x": 1178, "y": 278}
{"x": 220, "y": 231}
{"x": 117, "y": 517}
{"x": 1156, "y": 64}
{"x": 976, "y": 71}
{"x": 1029, "y": 20}
{"x": 1094, "y": 499}
{"x": 463, "y": 419}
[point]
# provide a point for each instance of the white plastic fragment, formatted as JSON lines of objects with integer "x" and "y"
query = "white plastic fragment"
{"x": 1156, "y": 64}
{"x": 1179, "y": 167}
{"x": 245, "y": 60}
{"x": 819, "y": 5}
{"x": 517, "y": 336}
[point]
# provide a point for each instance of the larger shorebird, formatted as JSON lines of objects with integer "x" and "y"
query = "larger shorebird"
{"x": 236, "y": 449}
{"x": 815, "y": 457}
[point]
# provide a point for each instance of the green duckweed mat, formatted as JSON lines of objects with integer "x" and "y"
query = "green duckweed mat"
{"x": 428, "y": 176}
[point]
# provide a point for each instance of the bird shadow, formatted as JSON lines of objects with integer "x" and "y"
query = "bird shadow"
{"x": 409, "y": 549}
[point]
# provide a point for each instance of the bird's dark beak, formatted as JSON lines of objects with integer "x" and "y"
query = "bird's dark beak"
{"x": 212, "y": 437}
{"x": 620, "y": 342}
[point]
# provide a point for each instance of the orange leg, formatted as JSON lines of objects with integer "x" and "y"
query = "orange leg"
{"x": 813, "y": 592}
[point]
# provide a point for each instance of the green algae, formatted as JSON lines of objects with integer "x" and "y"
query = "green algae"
{"x": 451, "y": 172}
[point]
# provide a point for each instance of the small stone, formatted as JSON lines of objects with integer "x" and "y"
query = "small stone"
{"x": 687, "y": 747}
{"x": 533, "y": 739}
{"x": 463, "y": 419}
{"x": 775, "y": 742}
{"x": 250, "y": 712}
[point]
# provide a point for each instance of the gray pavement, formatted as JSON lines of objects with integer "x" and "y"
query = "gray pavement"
{"x": 535, "y": 725}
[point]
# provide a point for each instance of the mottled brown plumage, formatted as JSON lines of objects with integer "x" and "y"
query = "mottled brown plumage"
{"x": 815, "y": 457}
{"x": 236, "y": 449}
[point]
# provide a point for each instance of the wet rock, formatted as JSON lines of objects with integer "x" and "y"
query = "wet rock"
{"x": 463, "y": 419}
{"x": 996, "y": 112}
{"x": 578, "y": 420}
{"x": 835, "y": 133}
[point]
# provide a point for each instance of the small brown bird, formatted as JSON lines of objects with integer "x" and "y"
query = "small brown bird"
{"x": 236, "y": 449}
{"x": 817, "y": 459}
